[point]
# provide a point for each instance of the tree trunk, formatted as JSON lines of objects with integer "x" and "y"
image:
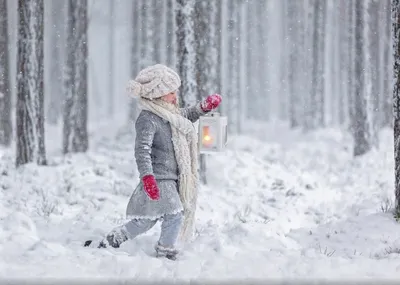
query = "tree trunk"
{"x": 156, "y": 30}
{"x": 315, "y": 103}
{"x": 206, "y": 57}
{"x": 309, "y": 100}
{"x": 56, "y": 64}
{"x": 75, "y": 135}
{"x": 294, "y": 65}
{"x": 371, "y": 58}
{"x": 321, "y": 64}
{"x": 396, "y": 98}
{"x": 387, "y": 79}
{"x": 233, "y": 65}
{"x": 283, "y": 90}
{"x": 361, "y": 128}
{"x": 186, "y": 50}
{"x": 171, "y": 61}
{"x": 30, "y": 103}
{"x": 110, "y": 105}
{"x": 135, "y": 52}
{"x": 343, "y": 62}
{"x": 350, "y": 73}
{"x": 5, "y": 92}
{"x": 144, "y": 42}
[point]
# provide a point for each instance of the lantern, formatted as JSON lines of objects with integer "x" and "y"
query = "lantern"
{"x": 212, "y": 133}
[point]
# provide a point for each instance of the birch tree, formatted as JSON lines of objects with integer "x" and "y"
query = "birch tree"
{"x": 30, "y": 110}
{"x": 396, "y": 97}
{"x": 75, "y": 135}
{"x": 5, "y": 92}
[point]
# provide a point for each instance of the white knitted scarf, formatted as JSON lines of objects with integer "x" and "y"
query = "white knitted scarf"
{"x": 184, "y": 139}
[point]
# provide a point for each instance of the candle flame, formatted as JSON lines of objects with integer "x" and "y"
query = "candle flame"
{"x": 207, "y": 139}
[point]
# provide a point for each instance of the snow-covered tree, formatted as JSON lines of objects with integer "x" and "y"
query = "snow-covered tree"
{"x": 396, "y": 97}
{"x": 111, "y": 59}
{"x": 5, "y": 92}
{"x": 284, "y": 55}
{"x": 387, "y": 66}
{"x": 351, "y": 50}
{"x": 295, "y": 69}
{"x": 170, "y": 33}
{"x": 343, "y": 62}
{"x": 207, "y": 49}
{"x": 75, "y": 134}
{"x": 186, "y": 50}
{"x": 156, "y": 28}
{"x": 371, "y": 52}
{"x": 135, "y": 51}
{"x": 361, "y": 123}
{"x": 145, "y": 44}
{"x": 56, "y": 40}
{"x": 30, "y": 61}
{"x": 318, "y": 68}
{"x": 308, "y": 99}
{"x": 233, "y": 87}
{"x": 243, "y": 57}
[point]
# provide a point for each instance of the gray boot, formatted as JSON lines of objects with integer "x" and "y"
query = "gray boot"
{"x": 115, "y": 238}
{"x": 168, "y": 252}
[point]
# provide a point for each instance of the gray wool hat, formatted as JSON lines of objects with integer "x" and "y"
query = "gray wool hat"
{"x": 154, "y": 82}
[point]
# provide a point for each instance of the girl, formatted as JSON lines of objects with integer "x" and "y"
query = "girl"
{"x": 166, "y": 157}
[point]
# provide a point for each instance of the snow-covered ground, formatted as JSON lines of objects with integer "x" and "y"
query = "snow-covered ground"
{"x": 278, "y": 204}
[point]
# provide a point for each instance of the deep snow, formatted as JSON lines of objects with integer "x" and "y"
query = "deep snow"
{"x": 279, "y": 204}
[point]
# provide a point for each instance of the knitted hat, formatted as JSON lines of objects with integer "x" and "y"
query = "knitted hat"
{"x": 154, "y": 82}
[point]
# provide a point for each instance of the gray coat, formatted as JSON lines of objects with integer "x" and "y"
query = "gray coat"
{"x": 154, "y": 154}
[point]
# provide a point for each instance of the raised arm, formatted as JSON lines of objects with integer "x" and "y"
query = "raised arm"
{"x": 193, "y": 113}
{"x": 145, "y": 130}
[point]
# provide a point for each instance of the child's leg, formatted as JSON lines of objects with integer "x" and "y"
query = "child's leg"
{"x": 130, "y": 230}
{"x": 170, "y": 228}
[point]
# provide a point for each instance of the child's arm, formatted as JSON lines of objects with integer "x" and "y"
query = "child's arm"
{"x": 145, "y": 130}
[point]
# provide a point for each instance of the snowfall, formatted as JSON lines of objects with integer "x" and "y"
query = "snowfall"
{"x": 279, "y": 204}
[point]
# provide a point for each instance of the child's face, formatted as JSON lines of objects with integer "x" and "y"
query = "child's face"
{"x": 170, "y": 98}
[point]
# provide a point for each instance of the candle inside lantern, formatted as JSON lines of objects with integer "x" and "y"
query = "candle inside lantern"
{"x": 207, "y": 139}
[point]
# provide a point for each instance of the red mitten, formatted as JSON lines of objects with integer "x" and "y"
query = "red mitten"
{"x": 211, "y": 102}
{"x": 150, "y": 187}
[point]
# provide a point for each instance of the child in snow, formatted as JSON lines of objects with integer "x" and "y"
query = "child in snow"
{"x": 166, "y": 157}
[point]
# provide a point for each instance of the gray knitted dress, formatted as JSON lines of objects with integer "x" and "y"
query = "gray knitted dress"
{"x": 154, "y": 154}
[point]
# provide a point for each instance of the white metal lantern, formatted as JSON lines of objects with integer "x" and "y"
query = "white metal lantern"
{"x": 213, "y": 134}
